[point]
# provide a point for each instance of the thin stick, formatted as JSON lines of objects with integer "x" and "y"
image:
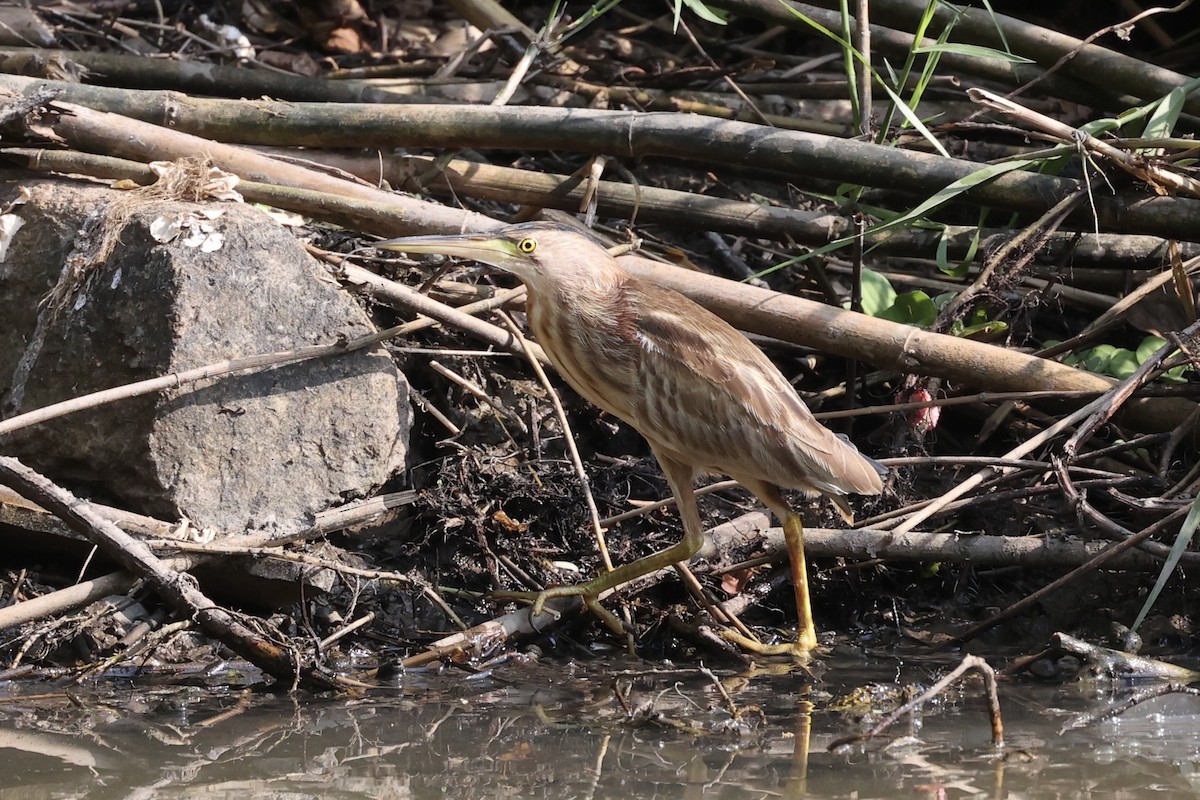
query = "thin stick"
{"x": 655, "y": 505}
{"x": 1137, "y": 698}
{"x": 476, "y": 391}
{"x": 390, "y": 289}
{"x": 576, "y": 461}
{"x": 1134, "y": 164}
{"x": 345, "y": 630}
{"x": 1122, "y": 392}
{"x": 963, "y": 400}
{"x": 1091, "y": 565}
{"x": 416, "y": 301}
{"x": 354, "y": 280}
{"x": 1028, "y": 446}
{"x": 968, "y": 663}
{"x": 862, "y": 43}
{"x": 435, "y": 412}
{"x": 716, "y": 611}
{"x": 730, "y": 82}
{"x": 81, "y": 594}
{"x": 173, "y": 380}
{"x": 277, "y": 660}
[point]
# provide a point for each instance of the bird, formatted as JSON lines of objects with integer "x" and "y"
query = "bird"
{"x": 705, "y": 398}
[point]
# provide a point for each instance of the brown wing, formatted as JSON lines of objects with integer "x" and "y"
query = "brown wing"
{"x": 711, "y": 398}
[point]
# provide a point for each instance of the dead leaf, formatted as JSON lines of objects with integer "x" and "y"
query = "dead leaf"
{"x": 510, "y": 525}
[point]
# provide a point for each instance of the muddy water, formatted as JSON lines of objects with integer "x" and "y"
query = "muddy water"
{"x": 606, "y": 729}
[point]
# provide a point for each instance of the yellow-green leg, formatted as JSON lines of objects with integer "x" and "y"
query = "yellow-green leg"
{"x": 679, "y": 476}
{"x": 793, "y": 538}
{"x": 806, "y": 631}
{"x": 793, "y": 535}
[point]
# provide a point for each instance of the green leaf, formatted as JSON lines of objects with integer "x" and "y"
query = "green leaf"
{"x": 845, "y": 17}
{"x": 911, "y": 308}
{"x": 943, "y": 298}
{"x": 929, "y": 68}
{"x": 979, "y": 317}
{"x": 953, "y": 190}
{"x": 1122, "y": 364}
{"x": 911, "y": 117}
{"x": 974, "y": 51}
{"x": 1119, "y": 362}
{"x": 877, "y": 293}
{"x": 991, "y": 327}
{"x": 700, "y": 10}
{"x": 895, "y": 98}
{"x": 1096, "y": 359}
{"x": 1149, "y": 346}
{"x": 1098, "y": 127}
{"x": 1176, "y": 374}
{"x": 1164, "y": 116}
{"x": 942, "y": 255}
{"x": 996, "y": 24}
{"x": 915, "y": 216}
{"x": 977, "y": 324}
{"x": 964, "y": 266}
{"x": 1186, "y": 531}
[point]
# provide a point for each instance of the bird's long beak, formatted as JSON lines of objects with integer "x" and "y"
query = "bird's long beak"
{"x": 486, "y": 248}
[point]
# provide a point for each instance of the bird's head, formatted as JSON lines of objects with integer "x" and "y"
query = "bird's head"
{"x": 541, "y": 254}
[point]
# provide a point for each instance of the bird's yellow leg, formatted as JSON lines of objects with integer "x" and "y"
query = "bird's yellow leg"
{"x": 590, "y": 591}
{"x": 679, "y": 476}
{"x": 806, "y": 631}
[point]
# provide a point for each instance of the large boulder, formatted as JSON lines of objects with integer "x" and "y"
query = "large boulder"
{"x": 261, "y": 450}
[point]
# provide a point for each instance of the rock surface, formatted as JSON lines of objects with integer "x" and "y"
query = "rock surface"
{"x": 261, "y": 450}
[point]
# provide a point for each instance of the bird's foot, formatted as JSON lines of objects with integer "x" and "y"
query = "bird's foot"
{"x": 584, "y": 591}
{"x": 801, "y": 649}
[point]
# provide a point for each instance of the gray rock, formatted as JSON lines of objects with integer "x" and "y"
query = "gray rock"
{"x": 260, "y": 450}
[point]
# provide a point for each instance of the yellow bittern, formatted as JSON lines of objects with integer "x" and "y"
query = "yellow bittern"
{"x": 705, "y": 398}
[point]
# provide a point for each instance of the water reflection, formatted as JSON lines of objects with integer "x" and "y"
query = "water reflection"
{"x": 560, "y": 731}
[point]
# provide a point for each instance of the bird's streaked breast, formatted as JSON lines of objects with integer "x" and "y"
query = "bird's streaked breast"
{"x": 587, "y": 350}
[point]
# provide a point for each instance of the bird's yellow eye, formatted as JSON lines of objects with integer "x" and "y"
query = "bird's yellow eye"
{"x": 527, "y": 246}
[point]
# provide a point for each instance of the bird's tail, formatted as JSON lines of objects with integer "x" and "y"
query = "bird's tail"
{"x": 843, "y": 507}
{"x": 857, "y": 470}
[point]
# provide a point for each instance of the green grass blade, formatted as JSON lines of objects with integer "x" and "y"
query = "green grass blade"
{"x": 974, "y": 51}
{"x": 1184, "y": 537}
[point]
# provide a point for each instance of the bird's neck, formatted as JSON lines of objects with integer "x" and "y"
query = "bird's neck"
{"x": 586, "y": 328}
{"x": 595, "y": 299}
